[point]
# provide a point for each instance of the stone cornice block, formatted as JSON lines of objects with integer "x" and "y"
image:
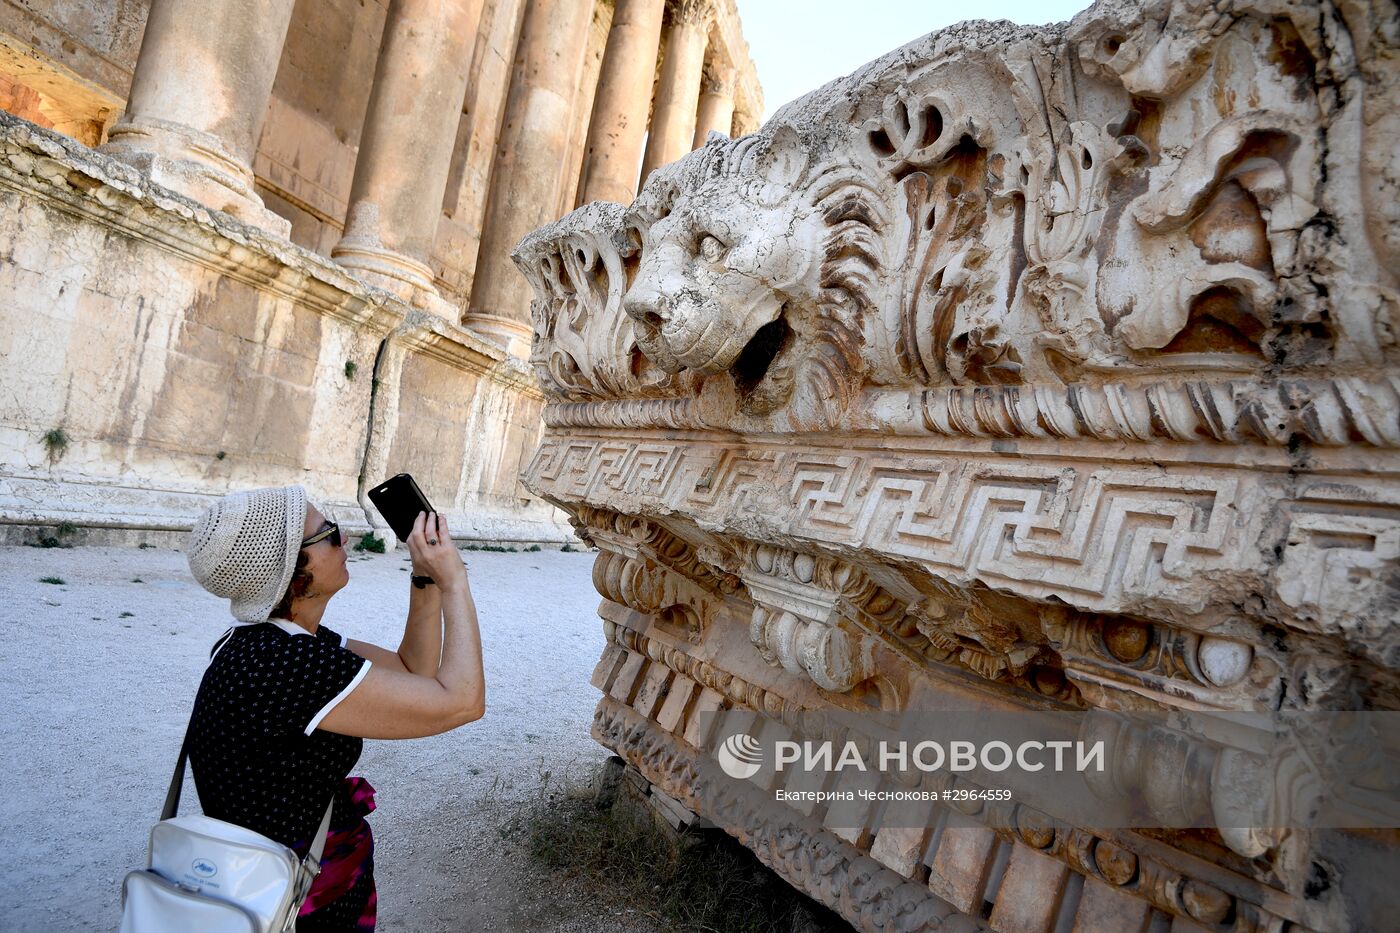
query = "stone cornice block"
{"x": 86, "y": 183}
{"x": 1046, "y": 368}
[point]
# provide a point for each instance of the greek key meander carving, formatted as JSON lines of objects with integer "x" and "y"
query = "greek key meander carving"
{"x": 1054, "y": 367}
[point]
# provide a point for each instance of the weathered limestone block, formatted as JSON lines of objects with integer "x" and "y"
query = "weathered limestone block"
{"x": 1041, "y": 369}
{"x": 158, "y": 353}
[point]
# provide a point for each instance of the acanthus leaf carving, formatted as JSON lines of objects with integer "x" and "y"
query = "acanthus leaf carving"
{"x": 1128, "y": 203}
{"x": 1054, "y": 366}
{"x": 797, "y": 621}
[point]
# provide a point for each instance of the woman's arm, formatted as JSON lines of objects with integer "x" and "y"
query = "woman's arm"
{"x": 420, "y": 650}
{"x": 421, "y": 647}
{"x": 391, "y": 704}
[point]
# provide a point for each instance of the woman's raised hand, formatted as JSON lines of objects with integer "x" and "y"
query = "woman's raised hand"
{"x": 403, "y": 703}
{"x": 430, "y": 545}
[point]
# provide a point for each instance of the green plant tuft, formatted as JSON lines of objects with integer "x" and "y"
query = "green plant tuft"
{"x": 350, "y": 369}
{"x": 61, "y": 531}
{"x": 221, "y": 455}
{"x": 56, "y": 581}
{"x": 55, "y": 442}
{"x": 532, "y": 548}
{"x": 371, "y": 542}
{"x": 567, "y": 548}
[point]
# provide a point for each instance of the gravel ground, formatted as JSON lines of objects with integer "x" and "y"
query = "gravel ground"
{"x": 97, "y": 675}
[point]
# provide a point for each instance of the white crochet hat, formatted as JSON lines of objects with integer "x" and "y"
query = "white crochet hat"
{"x": 244, "y": 548}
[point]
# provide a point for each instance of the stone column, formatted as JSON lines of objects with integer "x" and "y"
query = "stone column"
{"x": 198, "y": 99}
{"x": 678, "y": 90}
{"x": 406, "y": 146}
{"x": 744, "y": 122}
{"x": 716, "y": 111}
{"x": 585, "y": 92}
{"x": 619, "y": 123}
{"x": 525, "y": 181}
{"x": 459, "y": 230}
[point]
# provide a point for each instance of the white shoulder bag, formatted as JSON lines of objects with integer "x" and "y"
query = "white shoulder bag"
{"x": 216, "y": 877}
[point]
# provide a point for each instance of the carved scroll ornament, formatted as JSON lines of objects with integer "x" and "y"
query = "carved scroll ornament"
{"x": 1117, "y": 205}
{"x": 1058, "y": 365}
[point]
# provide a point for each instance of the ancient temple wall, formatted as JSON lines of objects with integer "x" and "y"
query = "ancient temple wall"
{"x": 306, "y": 158}
{"x": 92, "y": 41}
{"x": 153, "y": 386}
{"x": 68, "y": 66}
{"x": 1029, "y": 370}
{"x": 460, "y": 422}
{"x": 306, "y": 114}
{"x": 181, "y": 354}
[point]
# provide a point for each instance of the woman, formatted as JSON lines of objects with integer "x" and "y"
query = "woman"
{"x": 285, "y": 702}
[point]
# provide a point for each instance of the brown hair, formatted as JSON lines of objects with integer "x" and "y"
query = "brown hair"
{"x": 299, "y": 586}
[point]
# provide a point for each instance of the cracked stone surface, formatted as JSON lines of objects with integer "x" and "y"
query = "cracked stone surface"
{"x": 1040, "y": 368}
{"x": 179, "y": 353}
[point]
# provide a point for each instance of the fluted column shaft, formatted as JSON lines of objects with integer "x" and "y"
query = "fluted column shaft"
{"x": 744, "y": 122}
{"x": 198, "y": 98}
{"x": 525, "y": 180}
{"x": 716, "y": 111}
{"x": 678, "y": 90}
{"x": 406, "y": 145}
{"x": 618, "y": 127}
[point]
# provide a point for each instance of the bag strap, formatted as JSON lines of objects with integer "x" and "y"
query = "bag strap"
{"x": 177, "y": 783}
{"x": 318, "y": 846}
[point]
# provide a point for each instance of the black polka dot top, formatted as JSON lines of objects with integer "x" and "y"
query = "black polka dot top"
{"x": 259, "y": 759}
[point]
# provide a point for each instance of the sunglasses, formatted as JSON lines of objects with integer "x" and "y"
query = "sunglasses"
{"x": 332, "y": 531}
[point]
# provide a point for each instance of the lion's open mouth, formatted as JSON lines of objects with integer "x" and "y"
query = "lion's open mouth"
{"x": 760, "y": 352}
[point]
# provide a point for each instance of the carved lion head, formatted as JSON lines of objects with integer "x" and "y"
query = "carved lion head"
{"x": 727, "y": 242}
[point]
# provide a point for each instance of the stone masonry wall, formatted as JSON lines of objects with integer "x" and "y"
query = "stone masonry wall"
{"x": 181, "y": 354}
{"x": 306, "y": 159}
{"x": 80, "y": 54}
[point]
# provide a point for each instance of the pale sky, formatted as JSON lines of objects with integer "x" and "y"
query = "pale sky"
{"x": 799, "y": 45}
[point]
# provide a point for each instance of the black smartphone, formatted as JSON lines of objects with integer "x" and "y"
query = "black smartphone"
{"x": 400, "y": 500}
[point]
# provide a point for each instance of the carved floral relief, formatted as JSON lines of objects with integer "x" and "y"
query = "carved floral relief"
{"x": 1053, "y": 363}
